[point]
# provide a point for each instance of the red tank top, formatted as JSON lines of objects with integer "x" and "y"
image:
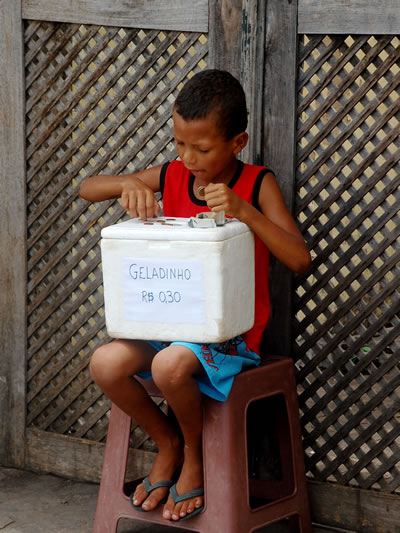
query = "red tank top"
{"x": 176, "y": 185}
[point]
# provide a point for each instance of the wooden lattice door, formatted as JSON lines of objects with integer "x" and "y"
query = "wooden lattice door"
{"x": 346, "y": 331}
{"x": 348, "y": 319}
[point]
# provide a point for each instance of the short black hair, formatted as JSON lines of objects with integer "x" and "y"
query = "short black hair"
{"x": 214, "y": 91}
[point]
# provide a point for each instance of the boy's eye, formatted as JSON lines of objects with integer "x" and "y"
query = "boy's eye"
{"x": 203, "y": 151}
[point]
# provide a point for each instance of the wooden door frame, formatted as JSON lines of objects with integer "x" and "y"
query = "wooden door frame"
{"x": 12, "y": 237}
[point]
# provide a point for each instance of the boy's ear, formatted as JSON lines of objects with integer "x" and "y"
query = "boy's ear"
{"x": 240, "y": 142}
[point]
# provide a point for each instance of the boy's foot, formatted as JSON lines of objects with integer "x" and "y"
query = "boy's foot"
{"x": 164, "y": 467}
{"x": 191, "y": 478}
{"x": 149, "y": 488}
{"x": 191, "y": 495}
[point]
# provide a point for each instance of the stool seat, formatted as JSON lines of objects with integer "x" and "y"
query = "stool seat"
{"x": 235, "y": 502}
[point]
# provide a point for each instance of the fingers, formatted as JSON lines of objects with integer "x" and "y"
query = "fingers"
{"x": 140, "y": 203}
{"x": 146, "y": 205}
{"x": 220, "y": 197}
{"x": 215, "y": 196}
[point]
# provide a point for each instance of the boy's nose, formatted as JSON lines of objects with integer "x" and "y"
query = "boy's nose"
{"x": 188, "y": 158}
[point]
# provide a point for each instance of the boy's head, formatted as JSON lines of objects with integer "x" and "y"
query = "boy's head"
{"x": 218, "y": 92}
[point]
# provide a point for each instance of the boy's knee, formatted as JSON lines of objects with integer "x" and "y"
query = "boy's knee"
{"x": 100, "y": 368}
{"x": 171, "y": 368}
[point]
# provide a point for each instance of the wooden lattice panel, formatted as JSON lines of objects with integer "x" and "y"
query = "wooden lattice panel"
{"x": 98, "y": 100}
{"x": 347, "y": 325}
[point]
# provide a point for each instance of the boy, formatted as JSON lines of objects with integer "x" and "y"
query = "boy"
{"x": 210, "y": 120}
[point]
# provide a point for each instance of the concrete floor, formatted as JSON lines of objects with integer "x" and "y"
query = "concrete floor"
{"x": 42, "y": 503}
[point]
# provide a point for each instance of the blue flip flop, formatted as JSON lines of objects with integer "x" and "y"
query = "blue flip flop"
{"x": 149, "y": 488}
{"x": 186, "y": 496}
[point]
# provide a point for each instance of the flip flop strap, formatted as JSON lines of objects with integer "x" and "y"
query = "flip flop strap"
{"x": 190, "y": 494}
{"x": 163, "y": 483}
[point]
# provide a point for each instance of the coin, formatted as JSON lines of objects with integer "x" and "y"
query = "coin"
{"x": 201, "y": 191}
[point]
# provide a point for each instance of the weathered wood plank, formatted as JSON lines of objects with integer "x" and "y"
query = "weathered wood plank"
{"x": 76, "y": 458}
{"x": 12, "y": 236}
{"x": 280, "y": 148}
{"x": 365, "y": 17}
{"x": 359, "y": 510}
{"x": 252, "y": 75}
{"x": 235, "y": 33}
{"x": 224, "y": 36}
{"x": 156, "y": 14}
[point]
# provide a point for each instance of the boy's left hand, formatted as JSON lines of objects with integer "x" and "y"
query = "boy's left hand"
{"x": 220, "y": 197}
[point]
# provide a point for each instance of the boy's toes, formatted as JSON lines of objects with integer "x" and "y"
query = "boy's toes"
{"x": 181, "y": 512}
{"x": 168, "y": 509}
{"x": 139, "y": 495}
{"x": 173, "y": 511}
{"x": 150, "y": 503}
{"x": 188, "y": 508}
{"x": 198, "y": 502}
{"x": 178, "y": 507}
{"x": 148, "y": 500}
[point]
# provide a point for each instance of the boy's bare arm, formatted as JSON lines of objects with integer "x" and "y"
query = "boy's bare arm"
{"x": 135, "y": 190}
{"x": 274, "y": 225}
{"x": 277, "y": 228}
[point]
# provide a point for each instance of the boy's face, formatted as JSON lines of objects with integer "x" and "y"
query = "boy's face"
{"x": 203, "y": 149}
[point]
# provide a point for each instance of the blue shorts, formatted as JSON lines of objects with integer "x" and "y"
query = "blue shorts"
{"x": 221, "y": 362}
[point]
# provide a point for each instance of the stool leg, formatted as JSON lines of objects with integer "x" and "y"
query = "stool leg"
{"x": 300, "y": 523}
{"x": 113, "y": 474}
{"x": 226, "y": 476}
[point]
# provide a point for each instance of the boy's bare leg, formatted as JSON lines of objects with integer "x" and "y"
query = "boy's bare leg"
{"x": 173, "y": 370}
{"x": 111, "y": 367}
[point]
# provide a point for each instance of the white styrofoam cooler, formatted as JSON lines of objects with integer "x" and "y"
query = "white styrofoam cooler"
{"x": 164, "y": 280}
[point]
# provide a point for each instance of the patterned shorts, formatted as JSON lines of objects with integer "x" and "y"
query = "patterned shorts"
{"x": 221, "y": 362}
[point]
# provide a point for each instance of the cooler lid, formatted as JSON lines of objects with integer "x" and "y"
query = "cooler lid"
{"x": 170, "y": 228}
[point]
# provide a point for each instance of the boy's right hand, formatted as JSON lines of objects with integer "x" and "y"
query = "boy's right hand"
{"x": 138, "y": 199}
{"x": 137, "y": 191}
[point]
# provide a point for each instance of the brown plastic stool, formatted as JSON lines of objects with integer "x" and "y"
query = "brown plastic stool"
{"x": 233, "y": 502}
